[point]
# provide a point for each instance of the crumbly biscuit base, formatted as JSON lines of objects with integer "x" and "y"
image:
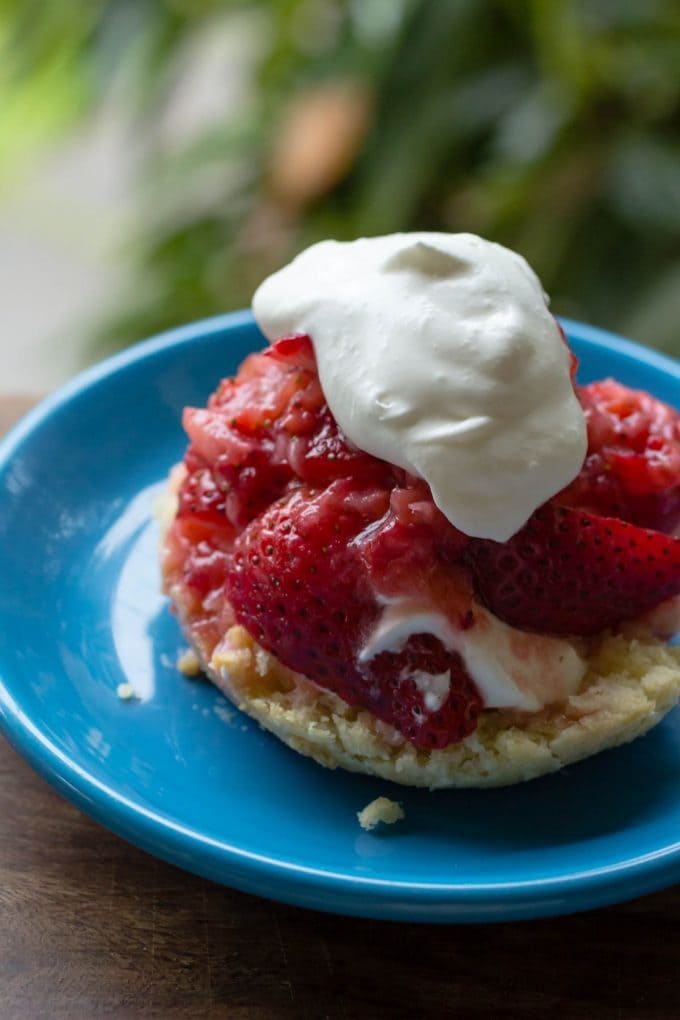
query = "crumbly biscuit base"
{"x": 631, "y": 683}
{"x": 633, "y": 680}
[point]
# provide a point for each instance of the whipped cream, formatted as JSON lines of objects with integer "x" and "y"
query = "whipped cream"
{"x": 437, "y": 353}
{"x": 510, "y": 668}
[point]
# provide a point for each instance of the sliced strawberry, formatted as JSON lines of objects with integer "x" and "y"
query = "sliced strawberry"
{"x": 294, "y": 350}
{"x": 407, "y": 550}
{"x": 400, "y": 677}
{"x": 206, "y": 554}
{"x": 266, "y": 428}
{"x": 632, "y": 469}
{"x": 200, "y": 496}
{"x": 299, "y": 585}
{"x": 265, "y": 385}
{"x": 570, "y": 572}
{"x": 252, "y": 486}
{"x": 324, "y": 454}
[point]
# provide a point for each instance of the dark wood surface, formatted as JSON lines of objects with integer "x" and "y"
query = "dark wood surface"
{"x": 91, "y": 927}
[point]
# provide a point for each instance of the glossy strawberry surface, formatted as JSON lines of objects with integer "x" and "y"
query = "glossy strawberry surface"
{"x": 632, "y": 469}
{"x": 570, "y": 572}
{"x": 300, "y": 586}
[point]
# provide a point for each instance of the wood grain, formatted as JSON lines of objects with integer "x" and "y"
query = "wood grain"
{"x": 91, "y": 927}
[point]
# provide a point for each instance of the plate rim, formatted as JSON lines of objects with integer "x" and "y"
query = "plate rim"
{"x": 293, "y": 882}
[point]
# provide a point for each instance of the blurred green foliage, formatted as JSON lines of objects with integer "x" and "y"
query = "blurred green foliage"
{"x": 552, "y": 126}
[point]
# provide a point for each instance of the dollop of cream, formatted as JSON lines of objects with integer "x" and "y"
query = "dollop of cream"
{"x": 437, "y": 353}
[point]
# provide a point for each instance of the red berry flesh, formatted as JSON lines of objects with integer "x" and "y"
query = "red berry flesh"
{"x": 632, "y": 468}
{"x": 299, "y": 585}
{"x": 570, "y": 572}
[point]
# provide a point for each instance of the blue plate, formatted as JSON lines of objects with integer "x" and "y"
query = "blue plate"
{"x": 185, "y": 776}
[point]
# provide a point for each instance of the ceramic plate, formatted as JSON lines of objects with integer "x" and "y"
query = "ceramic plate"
{"x": 185, "y": 776}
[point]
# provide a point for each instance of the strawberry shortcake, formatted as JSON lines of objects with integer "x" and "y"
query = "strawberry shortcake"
{"x": 403, "y": 538}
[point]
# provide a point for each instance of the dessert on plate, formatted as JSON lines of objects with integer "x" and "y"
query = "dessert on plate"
{"x": 404, "y": 540}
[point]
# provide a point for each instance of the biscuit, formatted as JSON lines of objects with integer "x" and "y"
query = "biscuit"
{"x": 631, "y": 683}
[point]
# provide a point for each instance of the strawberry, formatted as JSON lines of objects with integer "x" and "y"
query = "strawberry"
{"x": 412, "y": 543}
{"x": 570, "y": 572}
{"x": 306, "y": 536}
{"x": 300, "y": 586}
{"x": 264, "y": 430}
{"x": 203, "y": 554}
{"x": 200, "y": 496}
{"x": 632, "y": 468}
{"x": 251, "y": 486}
{"x": 398, "y": 678}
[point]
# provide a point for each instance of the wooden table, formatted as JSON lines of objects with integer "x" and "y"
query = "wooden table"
{"x": 91, "y": 927}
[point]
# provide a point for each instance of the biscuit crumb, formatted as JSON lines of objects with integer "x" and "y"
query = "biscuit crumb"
{"x": 126, "y": 692}
{"x": 382, "y": 809}
{"x": 189, "y": 663}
